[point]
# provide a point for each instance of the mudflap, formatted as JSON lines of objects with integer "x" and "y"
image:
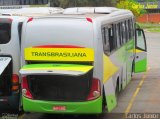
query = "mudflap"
{"x": 10, "y": 102}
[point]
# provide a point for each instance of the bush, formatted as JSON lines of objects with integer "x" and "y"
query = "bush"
{"x": 133, "y": 6}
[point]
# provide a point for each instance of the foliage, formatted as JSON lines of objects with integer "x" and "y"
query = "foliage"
{"x": 131, "y": 5}
{"x": 79, "y": 3}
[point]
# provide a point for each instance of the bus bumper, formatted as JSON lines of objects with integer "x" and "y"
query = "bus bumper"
{"x": 10, "y": 102}
{"x": 87, "y": 107}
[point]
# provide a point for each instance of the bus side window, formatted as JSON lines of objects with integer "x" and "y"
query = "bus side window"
{"x": 118, "y": 36}
{"x": 123, "y": 32}
{"x": 132, "y": 29}
{"x": 115, "y": 36}
{"x": 129, "y": 29}
{"x": 106, "y": 45}
{"x": 126, "y": 31}
{"x": 111, "y": 39}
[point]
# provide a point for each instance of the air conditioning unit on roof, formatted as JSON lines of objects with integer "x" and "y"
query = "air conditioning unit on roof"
{"x": 90, "y": 10}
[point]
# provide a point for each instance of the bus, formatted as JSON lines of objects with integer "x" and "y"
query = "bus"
{"x": 31, "y": 11}
{"x": 10, "y": 43}
{"x": 10, "y": 32}
{"x": 77, "y": 62}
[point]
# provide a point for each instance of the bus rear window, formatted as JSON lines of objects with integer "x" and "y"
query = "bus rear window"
{"x": 5, "y": 33}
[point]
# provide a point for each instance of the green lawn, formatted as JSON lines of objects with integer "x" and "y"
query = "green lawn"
{"x": 150, "y": 27}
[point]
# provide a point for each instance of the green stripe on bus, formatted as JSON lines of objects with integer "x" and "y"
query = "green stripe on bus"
{"x": 141, "y": 66}
{"x": 67, "y": 67}
{"x": 52, "y": 65}
{"x": 87, "y": 107}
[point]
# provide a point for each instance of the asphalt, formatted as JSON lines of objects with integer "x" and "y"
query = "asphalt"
{"x": 147, "y": 99}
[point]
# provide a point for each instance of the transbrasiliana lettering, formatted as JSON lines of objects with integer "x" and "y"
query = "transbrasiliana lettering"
{"x": 58, "y": 54}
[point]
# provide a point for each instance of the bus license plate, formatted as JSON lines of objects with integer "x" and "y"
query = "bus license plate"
{"x": 59, "y": 108}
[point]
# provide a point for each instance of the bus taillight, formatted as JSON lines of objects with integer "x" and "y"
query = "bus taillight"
{"x": 30, "y": 19}
{"x": 25, "y": 89}
{"x": 95, "y": 90}
{"x": 15, "y": 82}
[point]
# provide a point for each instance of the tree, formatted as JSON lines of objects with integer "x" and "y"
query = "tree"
{"x": 131, "y": 5}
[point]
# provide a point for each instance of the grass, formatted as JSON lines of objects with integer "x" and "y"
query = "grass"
{"x": 154, "y": 30}
{"x": 151, "y": 27}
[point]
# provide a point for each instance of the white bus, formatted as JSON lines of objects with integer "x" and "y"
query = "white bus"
{"x": 76, "y": 62}
{"x": 31, "y": 11}
{"x": 10, "y": 43}
{"x": 10, "y": 39}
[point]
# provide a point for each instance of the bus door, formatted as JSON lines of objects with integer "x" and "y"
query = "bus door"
{"x": 141, "y": 52}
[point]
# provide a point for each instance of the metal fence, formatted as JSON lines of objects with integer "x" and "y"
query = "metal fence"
{"x": 22, "y": 2}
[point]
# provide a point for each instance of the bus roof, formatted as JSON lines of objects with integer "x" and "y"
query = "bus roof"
{"x": 91, "y": 12}
{"x": 15, "y": 18}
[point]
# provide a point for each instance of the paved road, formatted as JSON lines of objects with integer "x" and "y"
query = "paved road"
{"x": 146, "y": 84}
{"x": 142, "y": 95}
